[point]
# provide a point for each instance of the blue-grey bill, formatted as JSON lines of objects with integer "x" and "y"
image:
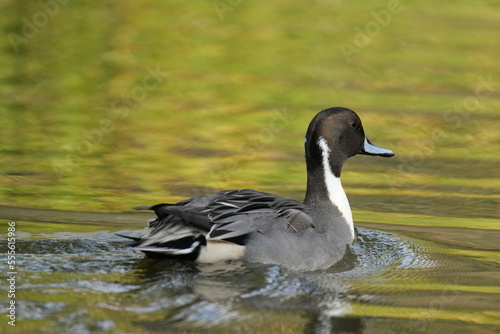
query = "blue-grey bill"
{"x": 371, "y": 149}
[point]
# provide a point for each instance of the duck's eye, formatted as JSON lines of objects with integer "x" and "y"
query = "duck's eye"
{"x": 354, "y": 125}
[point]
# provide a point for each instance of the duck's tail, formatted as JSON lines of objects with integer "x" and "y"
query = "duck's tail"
{"x": 172, "y": 241}
{"x": 182, "y": 232}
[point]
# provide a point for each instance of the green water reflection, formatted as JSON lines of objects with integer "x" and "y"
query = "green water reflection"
{"x": 109, "y": 105}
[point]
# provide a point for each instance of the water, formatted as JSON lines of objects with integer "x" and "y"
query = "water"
{"x": 88, "y": 282}
{"x": 387, "y": 282}
{"x": 110, "y": 105}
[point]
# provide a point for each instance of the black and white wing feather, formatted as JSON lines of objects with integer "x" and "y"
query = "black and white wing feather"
{"x": 192, "y": 227}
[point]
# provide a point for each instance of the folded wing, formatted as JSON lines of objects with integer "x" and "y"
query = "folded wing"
{"x": 190, "y": 228}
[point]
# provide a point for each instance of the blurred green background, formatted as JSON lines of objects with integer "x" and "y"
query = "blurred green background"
{"x": 107, "y": 105}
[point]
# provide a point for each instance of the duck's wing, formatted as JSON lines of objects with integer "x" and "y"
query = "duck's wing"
{"x": 183, "y": 230}
{"x": 241, "y": 212}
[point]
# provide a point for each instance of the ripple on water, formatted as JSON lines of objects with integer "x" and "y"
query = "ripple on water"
{"x": 378, "y": 250}
{"x": 196, "y": 295}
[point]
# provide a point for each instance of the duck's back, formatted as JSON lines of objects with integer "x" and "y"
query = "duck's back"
{"x": 249, "y": 224}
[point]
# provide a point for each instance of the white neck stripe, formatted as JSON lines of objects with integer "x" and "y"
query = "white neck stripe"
{"x": 334, "y": 186}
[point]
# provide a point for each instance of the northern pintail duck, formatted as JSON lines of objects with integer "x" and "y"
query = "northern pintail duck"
{"x": 262, "y": 227}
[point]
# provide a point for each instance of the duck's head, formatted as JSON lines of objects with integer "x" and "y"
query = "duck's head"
{"x": 337, "y": 133}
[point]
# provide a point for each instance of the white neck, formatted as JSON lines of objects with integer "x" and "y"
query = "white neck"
{"x": 335, "y": 191}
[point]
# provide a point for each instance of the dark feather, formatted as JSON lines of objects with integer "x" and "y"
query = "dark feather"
{"x": 128, "y": 236}
{"x": 226, "y": 216}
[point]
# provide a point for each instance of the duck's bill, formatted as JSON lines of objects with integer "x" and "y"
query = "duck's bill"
{"x": 371, "y": 149}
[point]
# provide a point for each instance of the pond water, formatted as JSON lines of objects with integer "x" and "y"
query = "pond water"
{"x": 417, "y": 279}
{"x": 110, "y": 105}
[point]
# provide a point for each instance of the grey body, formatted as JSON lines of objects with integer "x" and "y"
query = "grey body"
{"x": 309, "y": 249}
{"x": 263, "y": 227}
